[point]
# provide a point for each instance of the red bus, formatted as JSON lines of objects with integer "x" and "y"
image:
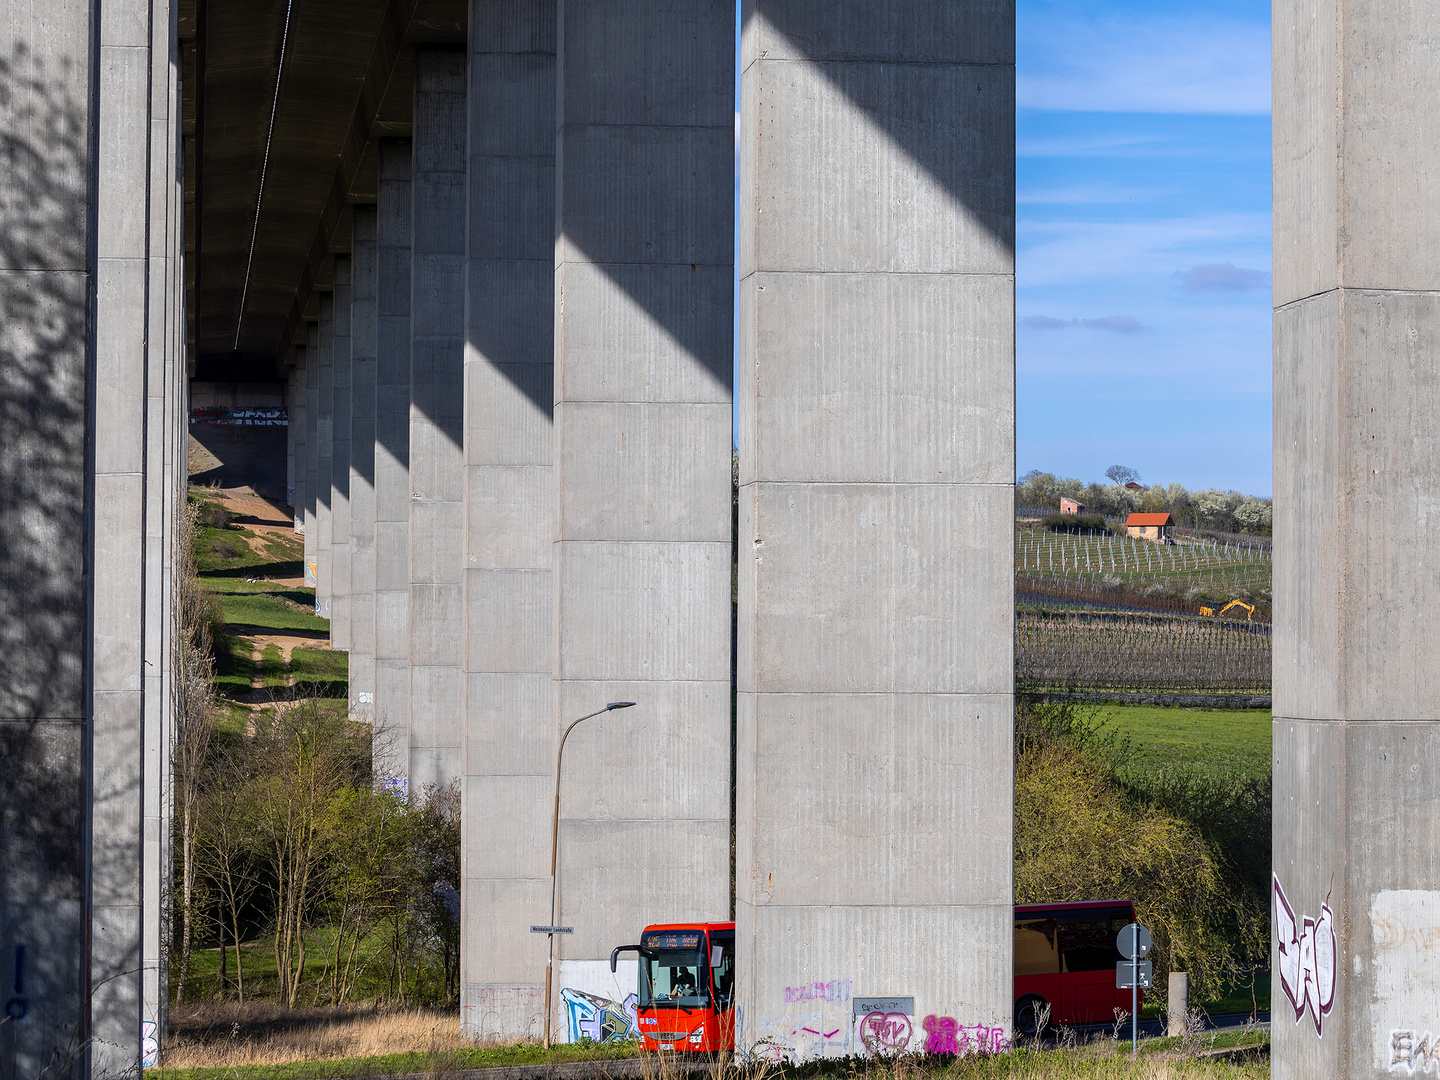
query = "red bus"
{"x": 686, "y": 997}
{"x": 1065, "y": 959}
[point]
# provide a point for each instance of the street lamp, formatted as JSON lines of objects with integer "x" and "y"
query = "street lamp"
{"x": 555, "y": 850}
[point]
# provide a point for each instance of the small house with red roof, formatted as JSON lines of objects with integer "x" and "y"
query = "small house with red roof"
{"x": 1152, "y": 527}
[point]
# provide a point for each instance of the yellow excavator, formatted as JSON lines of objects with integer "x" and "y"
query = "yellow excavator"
{"x": 1249, "y": 610}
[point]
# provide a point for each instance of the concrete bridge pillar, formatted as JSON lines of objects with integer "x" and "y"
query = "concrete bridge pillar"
{"x": 312, "y": 459}
{"x": 643, "y": 374}
{"x": 365, "y": 280}
{"x": 340, "y": 459}
{"x": 876, "y": 442}
{"x": 392, "y": 462}
{"x": 325, "y": 455}
{"x": 509, "y": 739}
{"x": 299, "y": 411}
{"x": 1356, "y": 893}
{"x": 437, "y": 360}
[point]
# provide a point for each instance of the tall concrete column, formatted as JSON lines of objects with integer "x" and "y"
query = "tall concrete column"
{"x": 437, "y": 357}
{"x": 291, "y": 413}
{"x": 45, "y": 524}
{"x": 159, "y": 524}
{"x": 509, "y": 739}
{"x": 300, "y": 425}
{"x": 340, "y": 460}
{"x": 392, "y": 463}
{"x": 876, "y": 588}
{"x": 117, "y": 765}
{"x": 312, "y": 458}
{"x": 325, "y": 455}
{"x": 643, "y": 357}
{"x": 365, "y": 279}
{"x": 1357, "y": 477}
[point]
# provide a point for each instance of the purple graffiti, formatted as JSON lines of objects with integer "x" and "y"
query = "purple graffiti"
{"x": 947, "y": 1037}
{"x": 1307, "y": 949}
{"x": 836, "y": 991}
{"x": 886, "y": 1033}
{"x": 942, "y": 1035}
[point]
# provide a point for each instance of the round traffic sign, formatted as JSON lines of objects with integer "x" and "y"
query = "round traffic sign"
{"x": 1133, "y": 942}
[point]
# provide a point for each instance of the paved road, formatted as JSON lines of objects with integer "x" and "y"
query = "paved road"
{"x": 1153, "y": 1029}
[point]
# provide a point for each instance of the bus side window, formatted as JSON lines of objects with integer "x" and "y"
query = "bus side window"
{"x": 1035, "y": 948}
{"x": 1087, "y": 946}
{"x": 724, "y": 975}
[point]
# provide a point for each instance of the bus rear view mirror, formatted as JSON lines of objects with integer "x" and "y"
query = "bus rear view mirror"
{"x": 717, "y": 956}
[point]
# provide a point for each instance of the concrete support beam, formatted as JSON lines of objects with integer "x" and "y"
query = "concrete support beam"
{"x": 365, "y": 279}
{"x": 340, "y": 460}
{"x": 876, "y": 442}
{"x": 119, "y": 583}
{"x": 299, "y": 424}
{"x": 1357, "y": 473}
{"x": 164, "y": 315}
{"x": 292, "y": 413}
{"x": 45, "y": 526}
{"x": 437, "y": 357}
{"x": 325, "y": 455}
{"x": 312, "y": 458}
{"x": 643, "y": 358}
{"x": 392, "y": 463}
{"x": 509, "y": 740}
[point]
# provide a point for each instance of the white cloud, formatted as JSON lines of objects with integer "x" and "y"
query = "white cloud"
{"x": 1070, "y": 252}
{"x": 1221, "y": 277}
{"x": 1144, "y": 65}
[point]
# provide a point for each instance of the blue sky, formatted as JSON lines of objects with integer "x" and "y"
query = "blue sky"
{"x": 1143, "y": 240}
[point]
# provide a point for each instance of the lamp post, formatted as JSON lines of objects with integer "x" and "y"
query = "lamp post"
{"x": 555, "y": 850}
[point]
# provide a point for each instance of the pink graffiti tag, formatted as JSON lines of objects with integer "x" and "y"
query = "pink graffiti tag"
{"x": 886, "y": 1033}
{"x": 836, "y": 991}
{"x": 943, "y": 1035}
{"x": 947, "y": 1038}
{"x": 1307, "y": 949}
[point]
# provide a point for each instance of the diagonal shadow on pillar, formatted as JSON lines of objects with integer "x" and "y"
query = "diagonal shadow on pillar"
{"x": 44, "y": 288}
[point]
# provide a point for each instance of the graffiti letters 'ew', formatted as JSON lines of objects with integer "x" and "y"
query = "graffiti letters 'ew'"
{"x": 598, "y": 1019}
{"x": 947, "y": 1037}
{"x": 1308, "y": 949}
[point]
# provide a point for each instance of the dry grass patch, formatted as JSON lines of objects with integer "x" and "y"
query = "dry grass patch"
{"x": 232, "y": 1035}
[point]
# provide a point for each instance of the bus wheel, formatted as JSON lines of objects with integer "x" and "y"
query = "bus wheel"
{"x": 1032, "y": 1013}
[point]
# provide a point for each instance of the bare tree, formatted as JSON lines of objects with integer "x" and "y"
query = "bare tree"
{"x": 193, "y": 707}
{"x": 1120, "y": 475}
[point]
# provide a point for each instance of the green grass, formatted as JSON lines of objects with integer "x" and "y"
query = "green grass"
{"x": 1086, "y": 1063}
{"x": 326, "y": 670}
{"x": 273, "y": 671}
{"x": 270, "y": 610}
{"x": 234, "y": 665}
{"x": 399, "y": 1064}
{"x": 1235, "y": 741}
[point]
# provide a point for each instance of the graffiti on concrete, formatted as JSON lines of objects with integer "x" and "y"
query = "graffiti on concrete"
{"x": 239, "y": 417}
{"x": 1307, "y": 949}
{"x": 947, "y": 1037}
{"x": 598, "y": 1019}
{"x": 886, "y": 1033}
{"x": 1410, "y": 1053}
{"x": 149, "y": 1045}
{"x": 836, "y": 991}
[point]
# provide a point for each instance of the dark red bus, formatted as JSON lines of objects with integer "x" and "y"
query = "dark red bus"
{"x": 1065, "y": 959}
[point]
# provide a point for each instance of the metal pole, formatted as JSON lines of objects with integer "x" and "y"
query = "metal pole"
{"x": 555, "y": 850}
{"x": 1134, "y": 988}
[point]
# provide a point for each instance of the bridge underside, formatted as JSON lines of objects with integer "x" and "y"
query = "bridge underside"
{"x": 485, "y": 254}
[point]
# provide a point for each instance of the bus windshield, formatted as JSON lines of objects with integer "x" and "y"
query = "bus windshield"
{"x": 673, "y": 970}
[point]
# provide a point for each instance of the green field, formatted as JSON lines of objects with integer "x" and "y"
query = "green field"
{"x": 1232, "y": 741}
{"x": 1120, "y": 561}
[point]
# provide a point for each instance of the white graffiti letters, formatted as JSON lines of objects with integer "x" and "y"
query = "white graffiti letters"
{"x": 1409, "y": 1053}
{"x": 1308, "y": 950}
